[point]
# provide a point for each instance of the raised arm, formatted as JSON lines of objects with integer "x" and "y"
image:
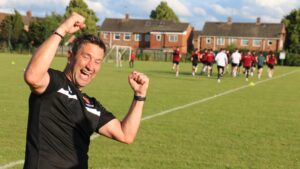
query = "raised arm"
{"x": 125, "y": 131}
{"x": 36, "y": 75}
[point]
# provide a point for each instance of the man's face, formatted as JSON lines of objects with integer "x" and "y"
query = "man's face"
{"x": 86, "y": 64}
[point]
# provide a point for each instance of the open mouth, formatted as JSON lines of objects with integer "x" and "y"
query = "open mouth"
{"x": 85, "y": 74}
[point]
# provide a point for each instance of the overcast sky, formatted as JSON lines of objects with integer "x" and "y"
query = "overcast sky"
{"x": 195, "y": 12}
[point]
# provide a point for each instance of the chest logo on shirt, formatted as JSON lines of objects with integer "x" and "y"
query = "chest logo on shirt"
{"x": 68, "y": 93}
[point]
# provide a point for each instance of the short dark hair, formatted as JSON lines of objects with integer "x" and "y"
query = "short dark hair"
{"x": 87, "y": 38}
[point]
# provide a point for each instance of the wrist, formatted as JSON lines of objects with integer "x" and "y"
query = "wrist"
{"x": 60, "y": 31}
{"x": 139, "y": 98}
{"x": 58, "y": 34}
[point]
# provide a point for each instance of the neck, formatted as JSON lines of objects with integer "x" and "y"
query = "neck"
{"x": 68, "y": 74}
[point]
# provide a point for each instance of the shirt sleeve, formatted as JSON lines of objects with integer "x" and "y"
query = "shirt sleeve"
{"x": 105, "y": 115}
{"x": 55, "y": 81}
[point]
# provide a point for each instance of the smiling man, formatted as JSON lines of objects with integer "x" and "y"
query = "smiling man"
{"x": 61, "y": 117}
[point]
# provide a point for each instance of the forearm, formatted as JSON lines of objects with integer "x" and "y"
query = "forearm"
{"x": 42, "y": 58}
{"x": 131, "y": 122}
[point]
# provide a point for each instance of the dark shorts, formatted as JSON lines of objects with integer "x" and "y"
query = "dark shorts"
{"x": 247, "y": 67}
{"x": 220, "y": 67}
{"x": 260, "y": 66}
{"x": 176, "y": 62}
{"x": 195, "y": 64}
{"x": 204, "y": 62}
{"x": 270, "y": 66}
{"x": 234, "y": 64}
{"x": 209, "y": 63}
{"x": 240, "y": 64}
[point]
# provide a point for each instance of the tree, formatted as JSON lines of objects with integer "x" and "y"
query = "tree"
{"x": 81, "y": 7}
{"x": 41, "y": 29}
{"x": 37, "y": 32}
{"x": 164, "y": 12}
{"x": 292, "y": 23}
{"x": 12, "y": 29}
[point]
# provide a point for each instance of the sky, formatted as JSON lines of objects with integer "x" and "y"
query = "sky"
{"x": 195, "y": 12}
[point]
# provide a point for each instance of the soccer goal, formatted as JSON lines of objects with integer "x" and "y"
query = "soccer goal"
{"x": 118, "y": 53}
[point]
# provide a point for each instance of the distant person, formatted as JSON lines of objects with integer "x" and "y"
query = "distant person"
{"x": 204, "y": 61}
{"x": 222, "y": 61}
{"x": 235, "y": 61}
{"x": 61, "y": 116}
{"x": 210, "y": 59}
{"x": 228, "y": 54}
{"x": 271, "y": 61}
{"x": 176, "y": 60}
{"x": 247, "y": 63}
{"x": 260, "y": 64}
{"x": 132, "y": 58}
{"x": 195, "y": 59}
{"x": 254, "y": 63}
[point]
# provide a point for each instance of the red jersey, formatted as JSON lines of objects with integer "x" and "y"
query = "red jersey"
{"x": 247, "y": 60}
{"x": 203, "y": 58}
{"x": 210, "y": 57}
{"x": 271, "y": 60}
{"x": 176, "y": 56}
{"x": 254, "y": 59}
{"x": 132, "y": 56}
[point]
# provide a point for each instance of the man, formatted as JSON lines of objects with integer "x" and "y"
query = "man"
{"x": 222, "y": 62}
{"x": 247, "y": 63}
{"x": 271, "y": 61}
{"x": 210, "y": 58}
{"x": 260, "y": 64}
{"x": 61, "y": 117}
{"x": 132, "y": 58}
{"x": 195, "y": 59}
{"x": 235, "y": 61}
{"x": 176, "y": 60}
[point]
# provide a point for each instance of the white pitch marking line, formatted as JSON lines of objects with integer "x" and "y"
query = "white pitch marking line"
{"x": 12, "y": 164}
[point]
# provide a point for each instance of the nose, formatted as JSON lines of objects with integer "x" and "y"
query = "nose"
{"x": 89, "y": 65}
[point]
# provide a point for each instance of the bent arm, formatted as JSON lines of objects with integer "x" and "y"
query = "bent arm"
{"x": 125, "y": 131}
{"x": 36, "y": 74}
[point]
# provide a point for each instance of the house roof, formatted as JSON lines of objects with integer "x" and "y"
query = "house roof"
{"x": 268, "y": 30}
{"x": 142, "y": 25}
{"x": 26, "y": 19}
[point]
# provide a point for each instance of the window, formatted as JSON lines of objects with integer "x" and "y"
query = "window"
{"x": 270, "y": 42}
{"x": 105, "y": 35}
{"x": 117, "y": 36}
{"x": 173, "y": 38}
{"x": 138, "y": 37}
{"x": 221, "y": 41}
{"x": 232, "y": 41}
{"x": 127, "y": 36}
{"x": 208, "y": 40}
{"x": 244, "y": 42}
{"x": 147, "y": 37}
{"x": 158, "y": 37}
{"x": 257, "y": 42}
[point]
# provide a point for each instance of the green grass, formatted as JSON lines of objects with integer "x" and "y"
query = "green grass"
{"x": 257, "y": 127}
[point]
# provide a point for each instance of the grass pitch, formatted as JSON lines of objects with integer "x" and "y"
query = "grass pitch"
{"x": 247, "y": 126}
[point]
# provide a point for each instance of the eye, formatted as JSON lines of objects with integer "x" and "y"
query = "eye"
{"x": 85, "y": 56}
{"x": 98, "y": 61}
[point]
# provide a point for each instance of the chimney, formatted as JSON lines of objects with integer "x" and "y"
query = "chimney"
{"x": 126, "y": 17}
{"x": 258, "y": 21}
{"x": 229, "y": 20}
{"x": 29, "y": 14}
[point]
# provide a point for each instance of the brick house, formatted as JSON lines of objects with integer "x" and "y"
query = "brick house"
{"x": 146, "y": 34}
{"x": 26, "y": 18}
{"x": 252, "y": 36}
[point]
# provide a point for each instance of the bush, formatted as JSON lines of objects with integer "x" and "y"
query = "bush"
{"x": 292, "y": 59}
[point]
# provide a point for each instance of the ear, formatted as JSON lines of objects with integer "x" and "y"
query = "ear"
{"x": 70, "y": 54}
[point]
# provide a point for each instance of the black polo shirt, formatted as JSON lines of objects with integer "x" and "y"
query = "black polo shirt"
{"x": 60, "y": 124}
